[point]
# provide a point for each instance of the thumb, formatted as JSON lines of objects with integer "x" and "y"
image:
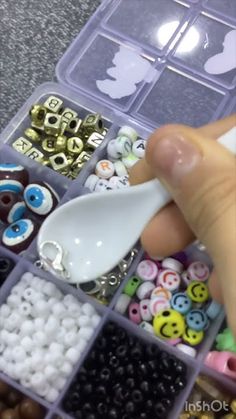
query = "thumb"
{"x": 200, "y": 174}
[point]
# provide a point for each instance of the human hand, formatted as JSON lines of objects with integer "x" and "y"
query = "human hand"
{"x": 200, "y": 174}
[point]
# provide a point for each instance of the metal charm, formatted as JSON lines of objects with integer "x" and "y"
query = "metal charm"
{"x": 33, "y": 135}
{"x": 53, "y": 104}
{"x": 54, "y": 265}
{"x": 52, "y": 124}
{"x": 59, "y": 162}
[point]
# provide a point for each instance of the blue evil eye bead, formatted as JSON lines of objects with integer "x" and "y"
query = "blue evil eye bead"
{"x": 12, "y": 207}
{"x": 13, "y": 178}
{"x": 18, "y": 235}
{"x": 40, "y": 198}
{"x": 181, "y": 302}
{"x": 197, "y": 320}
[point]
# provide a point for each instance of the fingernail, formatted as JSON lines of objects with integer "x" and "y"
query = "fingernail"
{"x": 175, "y": 157}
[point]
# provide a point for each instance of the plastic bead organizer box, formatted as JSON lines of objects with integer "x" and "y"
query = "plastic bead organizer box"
{"x": 142, "y": 63}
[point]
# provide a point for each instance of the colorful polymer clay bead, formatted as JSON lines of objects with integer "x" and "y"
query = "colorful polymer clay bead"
{"x": 12, "y": 207}
{"x": 197, "y": 320}
{"x": 181, "y": 302}
{"x": 13, "y": 177}
{"x": 18, "y": 235}
{"x": 198, "y": 271}
{"x": 132, "y": 285}
{"x": 169, "y": 324}
{"x": 198, "y": 292}
{"x": 192, "y": 337}
{"x": 40, "y": 198}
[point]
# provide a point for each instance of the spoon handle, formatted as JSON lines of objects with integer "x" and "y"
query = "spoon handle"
{"x": 160, "y": 196}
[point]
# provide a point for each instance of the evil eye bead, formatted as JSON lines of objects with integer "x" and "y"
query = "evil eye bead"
{"x": 12, "y": 207}
{"x": 18, "y": 235}
{"x": 147, "y": 270}
{"x": 40, "y": 198}
{"x": 197, "y": 291}
{"x": 169, "y": 279}
{"x": 13, "y": 178}
{"x": 197, "y": 320}
{"x": 192, "y": 337}
{"x": 181, "y": 302}
{"x": 198, "y": 271}
{"x": 169, "y": 324}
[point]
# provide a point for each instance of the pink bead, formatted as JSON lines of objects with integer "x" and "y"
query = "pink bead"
{"x": 134, "y": 313}
{"x": 174, "y": 342}
{"x": 169, "y": 279}
{"x": 224, "y": 362}
{"x": 145, "y": 310}
{"x": 157, "y": 304}
{"x": 147, "y": 270}
{"x": 198, "y": 271}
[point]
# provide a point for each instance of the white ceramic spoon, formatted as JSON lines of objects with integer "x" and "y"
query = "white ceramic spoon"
{"x": 89, "y": 235}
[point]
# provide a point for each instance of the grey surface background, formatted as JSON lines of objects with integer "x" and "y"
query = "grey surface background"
{"x": 33, "y": 36}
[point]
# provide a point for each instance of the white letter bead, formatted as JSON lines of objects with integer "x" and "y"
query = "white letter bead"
{"x": 112, "y": 151}
{"x": 120, "y": 168}
{"x": 128, "y": 132}
{"x": 72, "y": 355}
{"x": 130, "y": 160}
{"x": 102, "y": 185}
{"x": 144, "y": 290}
{"x": 122, "y": 303}
{"x": 104, "y": 169}
{"x": 171, "y": 263}
{"x": 88, "y": 309}
{"x": 52, "y": 395}
{"x": 123, "y": 146}
{"x": 138, "y": 148}
{"x": 91, "y": 182}
{"x": 147, "y": 326}
{"x": 113, "y": 182}
{"x": 123, "y": 182}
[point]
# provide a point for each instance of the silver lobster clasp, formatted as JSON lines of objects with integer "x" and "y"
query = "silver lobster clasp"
{"x": 55, "y": 264}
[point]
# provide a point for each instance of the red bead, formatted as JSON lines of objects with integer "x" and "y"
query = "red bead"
{"x": 12, "y": 207}
{"x": 13, "y": 178}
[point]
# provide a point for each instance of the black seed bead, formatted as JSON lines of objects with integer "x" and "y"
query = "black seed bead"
{"x": 143, "y": 415}
{"x": 6, "y": 266}
{"x": 137, "y": 396}
{"x": 180, "y": 368}
{"x": 87, "y": 389}
{"x": 130, "y": 407}
{"x": 143, "y": 370}
{"x": 78, "y": 414}
{"x": 101, "y": 391}
{"x": 121, "y": 351}
{"x": 160, "y": 410}
{"x": 152, "y": 365}
{"x": 145, "y": 387}
{"x": 113, "y": 413}
{"x": 130, "y": 370}
{"x": 162, "y": 389}
{"x": 168, "y": 403}
{"x": 101, "y": 343}
{"x": 105, "y": 374}
{"x": 120, "y": 372}
{"x": 149, "y": 405}
{"x": 130, "y": 383}
{"x": 136, "y": 353}
{"x": 180, "y": 383}
{"x": 114, "y": 362}
{"x": 152, "y": 351}
{"x": 101, "y": 408}
{"x": 91, "y": 416}
{"x": 87, "y": 408}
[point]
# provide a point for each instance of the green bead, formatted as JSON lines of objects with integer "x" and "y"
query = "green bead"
{"x": 132, "y": 285}
{"x": 225, "y": 341}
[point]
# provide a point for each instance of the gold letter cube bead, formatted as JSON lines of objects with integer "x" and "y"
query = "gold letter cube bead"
{"x": 73, "y": 125}
{"x": 53, "y": 104}
{"x": 49, "y": 144}
{"x": 22, "y": 145}
{"x": 75, "y": 146}
{"x": 33, "y": 135}
{"x": 92, "y": 122}
{"x": 94, "y": 140}
{"x": 35, "y": 154}
{"x": 60, "y": 143}
{"x": 59, "y": 162}
{"x": 52, "y": 124}
{"x": 38, "y": 114}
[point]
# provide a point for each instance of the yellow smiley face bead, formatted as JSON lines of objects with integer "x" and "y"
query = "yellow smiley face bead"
{"x": 192, "y": 337}
{"x": 198, "y": 292}
{"x": 169, "y": 324}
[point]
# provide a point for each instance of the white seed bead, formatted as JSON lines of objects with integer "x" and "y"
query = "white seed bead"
{"x": 49, "y": 289}
{"x": 25, "y": 309}
{"x": 138, "y": 148}
{"x": 51, "y": 373}
{"x": 40, "y": 338}
{"x": 26, "y": 381}
{"x": 85, "y": 332}
{"x": 60, "y": 383}
{"x": 2, "y": 347}
{"x": 104, "y": 169}
{"x": 88, "y": 309}
{"x": 81, "y": 345}
{"x": 18, "y": 289}
{"x": 123, "y": 145}
{"x": 8, "y": 355}
{"x": 91, "y": 182}
{"x": 69, "y": 299}
{"x": 130, "y": 160}
{"x": 66, "y": 368}
{"x": 27, "y": 328}
{"x": 41, "y": 308}
{"x": 13, "y": 321}
{"x": 51, "y": 326}
{"x": 95, "y": 320}
{"x": 74, "y": 311}
{"x": 43, "y": 391}
{"x": 30, "y": 294}
{"x": 37, "y": 380}
{"x": 5, "y": 310}
{"x": 26, "y": 278}
{"x": 13, "y": 339}
{"x": 128, "y": 132}
{"x": 70, "y": 339}
{"x": 56, "y": 347}
{"x": 173, "y": 264}
{"x": 20, "y": 371}
{"x": 52, "y": 395}
{"x": 83, "y": 321}
{"x": 59, "y": 310}
{"x": 68, "y": 323}
{"x": 27, "y": 343}
{"x": 13, "y": 300}
{"x": 4, "y": 335}
{"x": 19, "y": 354}
{"x": 60, "y": 336}
{"x": 39, "y": 323}
{"x": 52, "y": 301}
{"x": 120, "y": 168}
{"x": 72, "y": 355}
